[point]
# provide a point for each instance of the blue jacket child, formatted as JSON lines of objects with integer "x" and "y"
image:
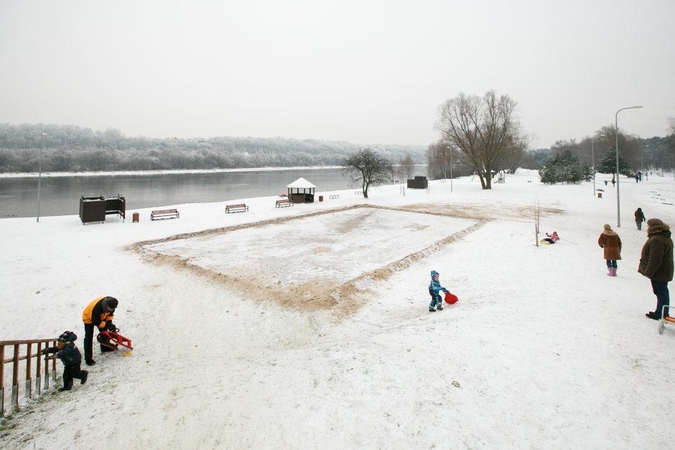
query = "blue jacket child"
{"x": 434, "y": 288}
{"x": 71, "y": 357}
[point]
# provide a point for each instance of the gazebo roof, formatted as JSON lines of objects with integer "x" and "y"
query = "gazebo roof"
{"x": 300, "y": 183}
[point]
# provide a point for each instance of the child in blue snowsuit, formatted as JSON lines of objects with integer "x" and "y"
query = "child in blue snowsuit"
{"x": 434, "y": 288}
{"x": 71, "y": 357}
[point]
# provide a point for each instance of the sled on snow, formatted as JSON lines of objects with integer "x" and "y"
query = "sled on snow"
{"x": 112, "y": 339}
{"x": 450, "y": 299}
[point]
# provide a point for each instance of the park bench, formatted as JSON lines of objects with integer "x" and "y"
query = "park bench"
{"x": 334, "y": 196}
{"x": 160, "y": 214}
{"x": 239, "y": 207}
{"x": 283, "y": 203}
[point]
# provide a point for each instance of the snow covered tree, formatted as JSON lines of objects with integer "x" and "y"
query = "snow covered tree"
{"x": 564, "y": 167}
{"x": 366, "y": 168}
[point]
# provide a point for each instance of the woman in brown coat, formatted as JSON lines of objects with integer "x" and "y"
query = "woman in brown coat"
{"x": 611, "y": 243}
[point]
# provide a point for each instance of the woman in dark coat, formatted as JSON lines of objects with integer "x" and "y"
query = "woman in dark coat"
{"x": 656, "y": 263}
{"x": 639, "y": 218}
{"x": 611, "y": 243}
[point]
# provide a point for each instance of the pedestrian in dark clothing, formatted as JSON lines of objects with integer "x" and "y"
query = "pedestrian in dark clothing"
{"x": 71, "y": 357}
{"x": 639, "y": 218}
{"x": 610, "y": 242}
{"x": 656, "y": 263}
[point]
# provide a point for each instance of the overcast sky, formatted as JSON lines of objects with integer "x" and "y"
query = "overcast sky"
{"x": 365, "y": 71}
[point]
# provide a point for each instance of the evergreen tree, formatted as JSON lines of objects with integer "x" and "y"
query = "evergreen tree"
{"x": 564, "y": 168}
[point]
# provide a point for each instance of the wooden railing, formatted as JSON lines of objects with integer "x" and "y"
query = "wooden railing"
{"x": 26, "y": 366}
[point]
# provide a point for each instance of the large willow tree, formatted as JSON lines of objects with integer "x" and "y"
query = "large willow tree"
{"x": 485, "y": 130}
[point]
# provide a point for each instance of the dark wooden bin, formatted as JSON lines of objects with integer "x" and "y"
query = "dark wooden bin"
{"x": 95, "y": 208}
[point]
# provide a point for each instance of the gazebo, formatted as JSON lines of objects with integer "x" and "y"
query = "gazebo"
{"x": 301, "y": 191}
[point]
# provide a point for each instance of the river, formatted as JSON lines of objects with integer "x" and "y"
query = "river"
{"x": 60, "y": 195}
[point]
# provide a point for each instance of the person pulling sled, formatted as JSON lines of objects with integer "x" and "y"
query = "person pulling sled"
{"x": 434, "y": 289}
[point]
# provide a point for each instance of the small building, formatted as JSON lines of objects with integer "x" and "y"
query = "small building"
{"x": 418, "y": 183}
{"x": 301, "y": 191}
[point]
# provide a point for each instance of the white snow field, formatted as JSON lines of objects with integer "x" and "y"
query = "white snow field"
{"x": 307, "y": 327}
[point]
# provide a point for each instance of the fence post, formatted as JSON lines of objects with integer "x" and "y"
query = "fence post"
{"x": 15, "y": 377}
{"x": 2, "y": 381}
{"x": 29, "y": 361}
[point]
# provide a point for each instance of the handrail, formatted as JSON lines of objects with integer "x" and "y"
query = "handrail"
{"x": 23, "y": 356}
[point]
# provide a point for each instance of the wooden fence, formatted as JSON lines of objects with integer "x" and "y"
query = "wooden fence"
{"x": 26, "y": 366}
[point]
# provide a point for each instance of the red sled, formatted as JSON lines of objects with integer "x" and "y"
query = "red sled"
{"x": 450, "y": 299}
{"x": 113, "y": 339}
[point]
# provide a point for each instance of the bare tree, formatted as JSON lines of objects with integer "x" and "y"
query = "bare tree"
{"x": 485, "y": 130}
{"x": 366, "y": 168}
{"x": 439, "y": 160}
{"x": 671, "y": 125}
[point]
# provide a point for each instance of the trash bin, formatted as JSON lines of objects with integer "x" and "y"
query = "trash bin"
{"x": 599, "y": 194}
{"x": 135, "y": 218}
{"x": 320, "y": 198}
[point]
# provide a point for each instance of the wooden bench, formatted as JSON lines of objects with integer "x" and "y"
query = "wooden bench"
{"x": 164, "y": 214}
{"x": 239, "y": 207}
{"x": 283, "y": 203}
{"x": 334, "y": 196}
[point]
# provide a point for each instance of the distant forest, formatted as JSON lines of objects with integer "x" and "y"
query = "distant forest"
{"x": 69, "y": 148}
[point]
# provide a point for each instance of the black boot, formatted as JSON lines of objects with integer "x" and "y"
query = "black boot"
{"x": 84, "y": 374}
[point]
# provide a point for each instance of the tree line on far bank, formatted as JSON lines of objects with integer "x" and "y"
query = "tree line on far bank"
{"x": 69, "y": 148}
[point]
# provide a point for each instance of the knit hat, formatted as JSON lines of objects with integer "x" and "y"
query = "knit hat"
{"x": 607, "y": 227}
{"x": 111, "y": 302}
{"x": 67, "y": 336}
{"x": 434, "y": 274}
{"x": 654, "y": 222}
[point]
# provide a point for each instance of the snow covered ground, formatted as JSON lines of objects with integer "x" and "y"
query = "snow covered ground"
{"x": 269, "y": 329}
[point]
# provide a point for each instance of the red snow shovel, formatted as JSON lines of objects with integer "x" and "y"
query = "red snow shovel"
{"x": 450, "y": 299}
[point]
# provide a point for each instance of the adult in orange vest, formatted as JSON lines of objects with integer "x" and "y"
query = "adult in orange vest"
{"x": 99, "y": 313}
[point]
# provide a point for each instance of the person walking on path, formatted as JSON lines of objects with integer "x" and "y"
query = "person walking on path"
{"x": 656, "y": 263}
{"x": 610, "y": 242}
{"x": 639, "y": 218}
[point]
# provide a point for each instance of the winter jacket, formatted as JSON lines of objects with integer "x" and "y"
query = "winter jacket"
{"x": 96, "y": 313}
{"x": 656, "y": 260}
{"x": 611, "y": 243}
{"x": 435, "y": 286}
{"x": 69, "y": 354}
{"x": 639, "y": 216}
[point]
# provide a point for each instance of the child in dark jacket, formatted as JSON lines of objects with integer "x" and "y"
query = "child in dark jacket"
{"x": 434, "y": 288}
{"x": 71, "y": 357}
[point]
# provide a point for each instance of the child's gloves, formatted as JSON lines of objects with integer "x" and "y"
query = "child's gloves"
{"x": 444, "y": 290}
{"x": 110, "y": 326}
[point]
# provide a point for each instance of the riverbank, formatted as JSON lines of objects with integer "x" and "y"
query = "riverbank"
{"x": 156, "y": 172}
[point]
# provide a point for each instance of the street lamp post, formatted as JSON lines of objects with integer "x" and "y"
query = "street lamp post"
{"x": 42, "y": 135}
{"x": 616, "y": 129}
